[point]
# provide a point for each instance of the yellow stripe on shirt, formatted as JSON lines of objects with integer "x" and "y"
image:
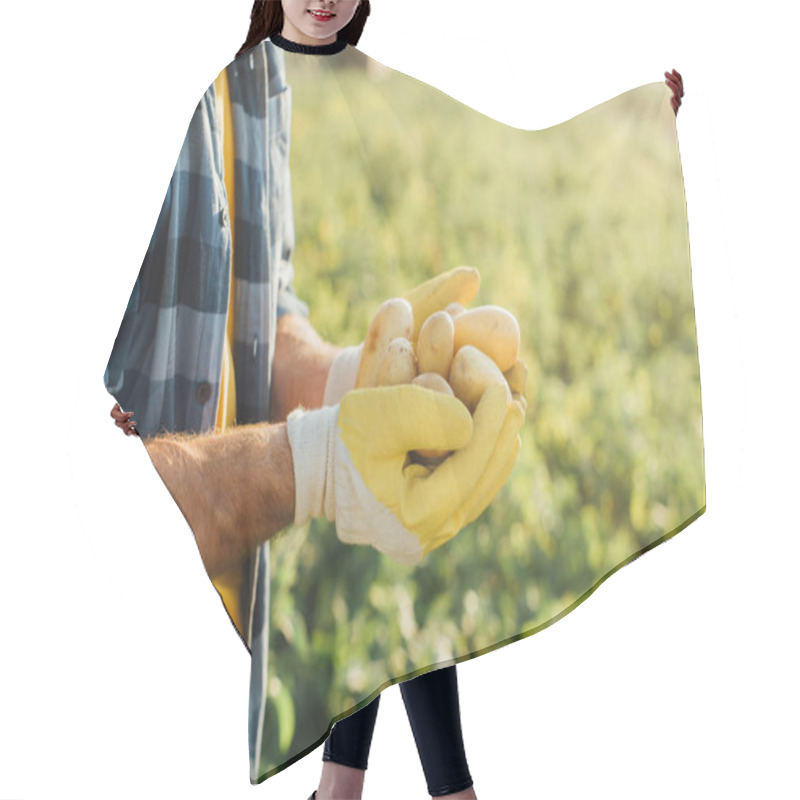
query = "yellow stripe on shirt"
{"x": 226, "y": 409}
{"x": 228, "y": 584}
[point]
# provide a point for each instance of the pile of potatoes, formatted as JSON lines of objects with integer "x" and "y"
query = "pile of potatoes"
{"x": 457, "y": 351}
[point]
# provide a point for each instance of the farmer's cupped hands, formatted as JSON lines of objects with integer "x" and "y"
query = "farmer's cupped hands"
{"x": 431, "y": 434}
{"x": 352, "y": 464}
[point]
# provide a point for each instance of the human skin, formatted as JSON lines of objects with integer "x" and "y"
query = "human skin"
{"x": 339, "y": 782}
{"x": 124, "y": 420}
{"x": 301, "y": 25}
{"x": 236, "y": 488}
{"x": 300, "y": 367}
{"x": 675, "y": 82}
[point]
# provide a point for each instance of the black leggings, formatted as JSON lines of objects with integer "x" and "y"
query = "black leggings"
{"x": 433, "y": 711}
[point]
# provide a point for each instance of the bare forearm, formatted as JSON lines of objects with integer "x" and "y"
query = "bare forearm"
{"x": 236, "y": 489}
{"x": 300, "y": 368}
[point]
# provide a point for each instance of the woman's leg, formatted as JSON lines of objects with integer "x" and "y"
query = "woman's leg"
{"x": 434, "y": 713}
{"x": 346, "y": 753}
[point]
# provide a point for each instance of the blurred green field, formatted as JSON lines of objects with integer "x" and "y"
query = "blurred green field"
{"x": 580, "y": 230}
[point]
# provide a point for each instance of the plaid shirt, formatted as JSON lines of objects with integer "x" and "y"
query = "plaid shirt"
{"x": 166, "y": 362}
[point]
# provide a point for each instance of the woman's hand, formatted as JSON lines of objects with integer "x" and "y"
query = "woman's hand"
{"x": 122, "y": 419}
{"x": 675, "y": 82}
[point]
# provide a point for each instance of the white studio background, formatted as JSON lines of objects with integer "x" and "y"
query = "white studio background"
{"x": 120, "y": 675}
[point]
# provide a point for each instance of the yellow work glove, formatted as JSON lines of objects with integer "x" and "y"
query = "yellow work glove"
{"x": 351, "y": 465}
{"x": 458, "y": 285}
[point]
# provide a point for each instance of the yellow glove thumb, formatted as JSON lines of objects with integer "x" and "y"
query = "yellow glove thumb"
{"x": 384, "y": 424}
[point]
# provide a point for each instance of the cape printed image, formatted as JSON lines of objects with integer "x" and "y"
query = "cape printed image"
{"x": 539, "y": 282}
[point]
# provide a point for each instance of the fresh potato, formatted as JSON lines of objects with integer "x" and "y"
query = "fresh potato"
{"x": 395, "y": 318}
{"x": 399, "y": 364}
{"x": 471, "y": 373}
{"x": 430, "y": 380}
{"x": 493, "y": 330}
{"x": 454, "y": 309}
{"x": 435, "y": 344}
{"x": 517, "y": 377}
{"x": 459, "y": 284}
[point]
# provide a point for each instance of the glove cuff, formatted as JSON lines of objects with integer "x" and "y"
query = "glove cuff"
{"x": 312, "y": 438}
{"x": 342, "y": 375}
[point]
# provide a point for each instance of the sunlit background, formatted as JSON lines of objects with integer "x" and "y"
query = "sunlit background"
{"x": 580, "y": 230}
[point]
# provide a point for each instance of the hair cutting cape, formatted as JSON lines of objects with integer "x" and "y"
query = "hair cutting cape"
{"x": 578, "y": 230}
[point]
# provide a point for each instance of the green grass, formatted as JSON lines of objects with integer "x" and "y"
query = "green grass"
{"x": 580, "y": 230}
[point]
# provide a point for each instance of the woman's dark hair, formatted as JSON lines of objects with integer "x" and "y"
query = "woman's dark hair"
{"x": 266, "y": 19}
